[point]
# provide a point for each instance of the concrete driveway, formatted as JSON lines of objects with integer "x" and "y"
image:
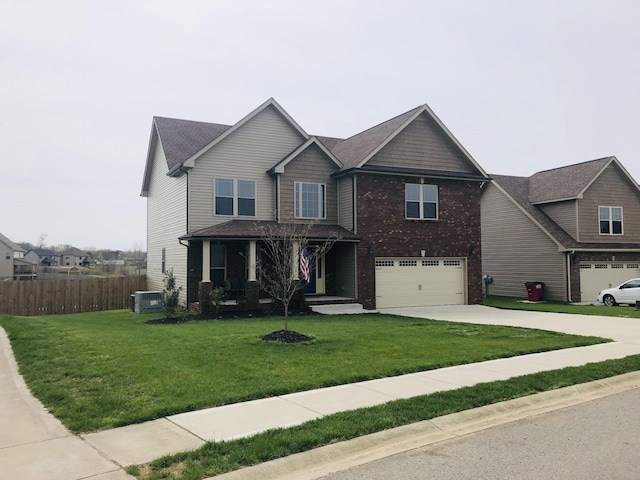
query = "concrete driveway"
{"x": 625, "y": 330}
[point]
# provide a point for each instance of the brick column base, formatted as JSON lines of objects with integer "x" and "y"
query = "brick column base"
{"x": 204, "y": 296}
{"x": 252, "y": 295}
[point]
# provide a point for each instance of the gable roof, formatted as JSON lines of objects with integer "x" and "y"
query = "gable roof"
{"x": 184, "y": 140}
{"x": 181, "y": 139}
{"x": 10, "y": 244}
{"x": 43, "y": 252}
{"x": 356, "y": 151}
{"x": 279, "y": 167}
{"x": 518, "y": 190}
{"x": 269, "y": 103}
{"x": 568, "y": 182}
{"x": 75, "y": 251}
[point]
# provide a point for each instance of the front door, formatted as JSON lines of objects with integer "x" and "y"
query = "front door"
{"x": 312, "y": 271}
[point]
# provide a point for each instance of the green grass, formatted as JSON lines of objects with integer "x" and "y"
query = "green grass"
{"x": 560, "y": 307}
{"x": 105, "y": 369}
{"x": 217, "y": 458}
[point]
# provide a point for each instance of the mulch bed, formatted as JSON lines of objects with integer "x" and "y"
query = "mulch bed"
{"x": 287, "y": 336}
{"x": 225, "y": 315}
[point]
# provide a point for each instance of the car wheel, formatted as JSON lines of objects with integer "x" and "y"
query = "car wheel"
{"x": 609, "y": 301}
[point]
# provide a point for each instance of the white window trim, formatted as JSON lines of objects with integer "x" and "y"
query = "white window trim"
{"x": 322, "y": 200}
{"x": 236, "y": 197}
{"x": 611, "y": 221}
{"x": 421, "y": 202}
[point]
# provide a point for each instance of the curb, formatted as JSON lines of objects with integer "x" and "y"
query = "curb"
{"x": 340, "y": 456}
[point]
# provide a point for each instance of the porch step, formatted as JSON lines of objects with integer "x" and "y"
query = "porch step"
{"x": 339, "y": 308}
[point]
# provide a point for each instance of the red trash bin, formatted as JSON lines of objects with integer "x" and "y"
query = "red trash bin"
{"x": 534, "y": 291}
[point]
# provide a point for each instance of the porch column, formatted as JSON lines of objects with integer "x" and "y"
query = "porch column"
{"x": 295, "y": 261}
{"x": 206, "y": 260}
{"x": 252, "y": 261}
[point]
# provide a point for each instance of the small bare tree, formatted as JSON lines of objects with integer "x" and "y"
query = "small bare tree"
{"x": 286, "y": 244}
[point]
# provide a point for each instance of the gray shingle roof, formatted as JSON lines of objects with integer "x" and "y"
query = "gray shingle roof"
{"x": 564, "y": 182}
{"x": 10, "y": 244}
{"x": 355, "y": 149}
{"x": 181, "y": 139}
{"x": 256, "y": 229}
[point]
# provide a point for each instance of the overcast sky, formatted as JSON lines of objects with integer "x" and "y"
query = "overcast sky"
{"x": 524, "y": 86}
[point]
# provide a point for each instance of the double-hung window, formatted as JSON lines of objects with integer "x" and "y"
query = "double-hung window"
{"x": 309, "y": 200}
{"x": 610, "y": 220}
{"x": 421, "y": 201}
{"x": 235, "y": 197}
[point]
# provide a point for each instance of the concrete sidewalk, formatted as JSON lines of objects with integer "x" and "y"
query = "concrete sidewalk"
{"x": 41, "y": 448}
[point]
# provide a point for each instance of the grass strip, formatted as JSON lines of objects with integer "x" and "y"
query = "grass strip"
{"x": 509, "y": 303}
{"x": 217, "y": 458}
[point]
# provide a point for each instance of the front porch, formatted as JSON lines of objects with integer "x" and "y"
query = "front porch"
{"x": 239, "y": 266}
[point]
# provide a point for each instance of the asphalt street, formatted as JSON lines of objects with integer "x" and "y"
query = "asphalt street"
{"x": 595, "y": 440}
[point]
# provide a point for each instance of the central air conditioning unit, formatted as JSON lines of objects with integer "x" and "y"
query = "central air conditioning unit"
{"x": 146, "y": 302}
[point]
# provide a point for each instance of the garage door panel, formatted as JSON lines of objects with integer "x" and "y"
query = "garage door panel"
{"x": 419, "y": 281}
{"x": 596, "y": 276}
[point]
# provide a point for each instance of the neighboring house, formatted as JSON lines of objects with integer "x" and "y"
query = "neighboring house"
{"x": 12, "y": 262}
{"x": 74, "y": 257}
{"x": 574, "y": 228}
{"x": 43, "y": 256}
{"x": 403, "y": 198}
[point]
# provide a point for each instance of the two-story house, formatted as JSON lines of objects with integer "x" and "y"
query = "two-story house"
{"x": 74, "y": 257}
{"x": 13, "y": 265}
{"x": 43, "y": 256}
{"x": 402, "y": 198}
{"x": 575, "y": 228}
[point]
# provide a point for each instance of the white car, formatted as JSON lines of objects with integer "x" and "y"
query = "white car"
{"x": 628, "y": 292}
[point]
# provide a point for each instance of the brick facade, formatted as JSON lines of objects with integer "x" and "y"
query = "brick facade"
{"x": 382, "y": 226}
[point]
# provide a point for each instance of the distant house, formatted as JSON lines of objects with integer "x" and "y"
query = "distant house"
{"x": 402, "y": 197}
{"x": 574, "y": 228}
{"x": 13, "y": 265}
{"x": 74, "y": 257}
{"x": 43, "y": 256}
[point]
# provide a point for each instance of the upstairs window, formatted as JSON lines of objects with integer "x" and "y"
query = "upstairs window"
{"x": 610, "y": 220}
{"x": 235, "y": 197}
{"x": 421, "y": 201}
{"x": 309, "y": 200}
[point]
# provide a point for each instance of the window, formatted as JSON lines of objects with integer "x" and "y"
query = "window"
{"x": 421, "y": 201}
{"x": 309, "y": 200}
{"x": 610, "y": 220}
{"x": 235, "y": 197}
{"x": 8, "y": 256}
{"x": 164, "y": 260}
{"x": 218, "y": 264}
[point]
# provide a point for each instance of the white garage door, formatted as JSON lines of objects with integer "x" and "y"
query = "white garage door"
{"x": 413, "y": 282}
{"x": 596, "y": 276}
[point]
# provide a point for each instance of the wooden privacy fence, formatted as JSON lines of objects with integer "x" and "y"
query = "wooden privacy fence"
{"x": 46, "y": 297}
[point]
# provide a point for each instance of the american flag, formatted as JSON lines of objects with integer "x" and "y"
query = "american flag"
{"x": 304, "y": 266}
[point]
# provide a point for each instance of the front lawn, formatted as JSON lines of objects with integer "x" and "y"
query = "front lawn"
{"x": 105, "y": 369}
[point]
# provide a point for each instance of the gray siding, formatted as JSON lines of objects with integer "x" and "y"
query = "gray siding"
{"x": 610, "y": 189}
{"x": 422, "y": 145}
{"x": 515, "y": 250}
{"x": 6, "y": 266}
{"x": 166, "y": 222}
{"x": 312, "y": 166}
{"x": 346, "y": 270}
{"x": 246, "y": 154}
{"x": 345, "y": 202}
{"x": 564, "y": 214}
